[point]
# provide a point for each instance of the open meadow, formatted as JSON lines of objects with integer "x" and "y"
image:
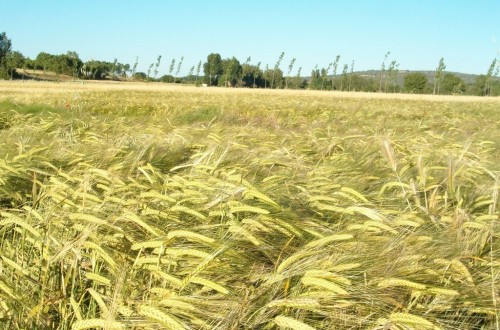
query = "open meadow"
{"x": 153, "y": 206}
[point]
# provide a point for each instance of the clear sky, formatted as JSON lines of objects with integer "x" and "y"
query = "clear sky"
{"x": 416, "y": 32}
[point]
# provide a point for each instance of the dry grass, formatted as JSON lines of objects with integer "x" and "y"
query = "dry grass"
{"x": 145, "y": 206}
{"x": 96, "y": 86}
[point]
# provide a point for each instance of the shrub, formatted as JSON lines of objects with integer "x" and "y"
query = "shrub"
{"x": 415, "y": 82}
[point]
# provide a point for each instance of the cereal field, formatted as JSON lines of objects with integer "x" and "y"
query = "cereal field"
{"x": 149, "y": 206}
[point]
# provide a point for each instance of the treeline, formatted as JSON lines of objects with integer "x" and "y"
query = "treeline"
{"x": 230, "y": 72}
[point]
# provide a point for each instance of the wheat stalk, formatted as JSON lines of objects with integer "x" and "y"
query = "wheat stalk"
{"x": 157, "y": 315}
{"x": 97, "y": 323}
{"x": 290, "y": 323}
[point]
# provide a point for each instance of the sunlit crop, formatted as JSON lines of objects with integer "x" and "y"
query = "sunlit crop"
{"x": 174, "y": 208}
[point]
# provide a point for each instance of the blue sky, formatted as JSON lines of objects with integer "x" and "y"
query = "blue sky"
{"x": 416, "y": 32}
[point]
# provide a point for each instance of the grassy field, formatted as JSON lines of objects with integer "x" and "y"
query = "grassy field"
{"x": 147, "y": 206}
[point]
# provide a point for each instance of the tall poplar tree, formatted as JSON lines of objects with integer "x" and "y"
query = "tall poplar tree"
{"x": 438, "y": 76}
{"x": 149, "y": 70}
{"x": 351, "y": 73}
{"x": 489, "y": 74}
{"x": 392, "y": 75}
{"x": 324, "y": 74}
{"x": 179, "y": 65}
{"x": 245, "y": 70}
{"x": 172, "y": 67}
{"x": 191, "y": 73}
{"x": 382, "y": 71}
{"x": 344, "y": 76}
{"x": 5, "y": 47}
{"x": 298, "y": 78}
{"x": 213, "y": 67}
{"x": 198, "y": 68}
{"x": 134, "y": 67}
{"x": 256, "y": 73}
{"x": 157, "y": 65}
{"x": 276, "y": 67}
{"x": 335, "y": 65}
{"x": 290, "y": 68}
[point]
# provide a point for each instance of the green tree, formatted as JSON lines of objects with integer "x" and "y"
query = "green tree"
{"x": 335, "y": 65}
{"x": 452, "y": 84}
{"x": 5, "y": 49}
{"x": 198, "y": 68}
{"x": 167, "y": 79}
{"x": 438, "y": 76}
{"x": 67, "y": 64}
{"x": 351, "y": 73}
{"x": 75, "y": 64}
{"x": 360, "y": 83}
{"x": 5, "y": 46}
{"x": 139, "y": 76}
{"x": 246, "y": 69}
{"x": 290, "y": 68}
{"x": 315, "y": 82}
{"x": 190, "y": 74}
{"x": 392, "y": 75}
{"x": 149, "y": 71}
{"x": 125, "y": 69}
{"x": 382, "y": 71}
{"x": 96, "y": 69}
{"x": 231, "y": 70}
{"x": 113, "y": 68}
{"x": 256, "y": 73}
{"x": 58, "y": 64}
{"x": 265, "y": 75}
{"x": 276, "y": 68}
{"x": 343, "y": 81}
{"x": 489, "y": 75}
{"x": 134, "y": 67}
{"x": 275, "y": 76}
{"x": 13, "y": 61}
{"x": 179, "y": 65}
{"x": 43, "y": 60}
{"x": 479, "y": 86}
{"x": 298, "y": 82}
{"x": 172, "y": 67}
{"x": 213, "y": 68}
{"x": 415, "y": 82}
{"x": 250, "y": 73}
{"x": 324, "y": 75}
{"x": 157, "y": 65}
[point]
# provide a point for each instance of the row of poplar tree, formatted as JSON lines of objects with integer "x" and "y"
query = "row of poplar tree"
{"x": 230, "y": 72}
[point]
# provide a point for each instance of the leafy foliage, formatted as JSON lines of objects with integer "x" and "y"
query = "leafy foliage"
{"x": 5, "y": 49}
{"x": 451, "y": 84}
{"x": 415, "y": 82}
{"x": 213, "y": 68}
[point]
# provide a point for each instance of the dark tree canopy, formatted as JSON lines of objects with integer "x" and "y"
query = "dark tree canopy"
{"x": 5, "y": 46}
{"x": 452, "y": 84}
{"x": 13, "y": 61}
{"x": 415, "y": 82}
{"x": 231, "y": 72}
{"x": 213, "y": 68}
{"x": 5, "y": 49}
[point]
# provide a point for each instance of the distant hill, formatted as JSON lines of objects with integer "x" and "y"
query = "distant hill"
{"x": 369, "y": 81}
{"x": 375, "y": 74}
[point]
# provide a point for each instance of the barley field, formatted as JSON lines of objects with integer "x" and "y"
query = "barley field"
{"x": 148, "y": 206}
